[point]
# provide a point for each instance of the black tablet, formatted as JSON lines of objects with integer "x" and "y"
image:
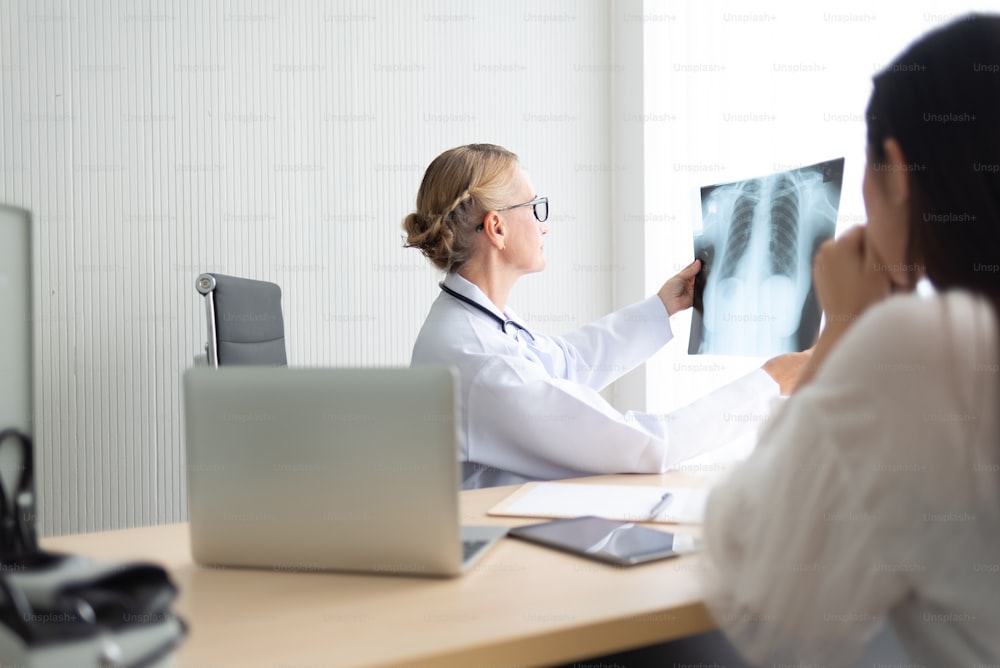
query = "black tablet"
{"x": 611, "y": 541}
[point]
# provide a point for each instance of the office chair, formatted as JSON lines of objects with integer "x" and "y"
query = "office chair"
{"x": 245, "y": 326}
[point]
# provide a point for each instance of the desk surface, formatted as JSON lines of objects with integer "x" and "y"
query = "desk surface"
{"x": 520, "y": 605}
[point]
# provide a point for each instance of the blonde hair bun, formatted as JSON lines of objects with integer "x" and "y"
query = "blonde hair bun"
{"x": 457, "y": 190}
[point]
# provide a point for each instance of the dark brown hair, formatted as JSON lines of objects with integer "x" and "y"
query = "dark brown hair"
{"x": 940, "y": 99}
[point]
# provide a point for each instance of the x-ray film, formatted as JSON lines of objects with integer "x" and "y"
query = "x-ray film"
{"x": 754, "y": 295}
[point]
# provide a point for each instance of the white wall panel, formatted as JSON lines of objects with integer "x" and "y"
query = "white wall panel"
{"x": 283, "y": 141}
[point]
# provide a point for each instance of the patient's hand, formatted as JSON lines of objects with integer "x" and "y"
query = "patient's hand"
{"x": 848, "y": 281}
{"x": 785, "y": 369}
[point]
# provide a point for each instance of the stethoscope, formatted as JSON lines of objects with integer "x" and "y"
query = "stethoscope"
{"x": 517, "y": 327}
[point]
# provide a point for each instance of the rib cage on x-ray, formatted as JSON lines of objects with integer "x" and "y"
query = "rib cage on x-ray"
{"x": 758, "y": 299}
{"x": 740, "y": 228}
{"x": 784, "y": 227}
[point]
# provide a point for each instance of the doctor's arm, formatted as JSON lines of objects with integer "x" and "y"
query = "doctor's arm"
{"x": 603, "y": 351}
{"x": 544, "y": 427}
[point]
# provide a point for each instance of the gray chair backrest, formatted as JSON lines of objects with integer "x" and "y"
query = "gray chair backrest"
{"x": 245, "y": 325}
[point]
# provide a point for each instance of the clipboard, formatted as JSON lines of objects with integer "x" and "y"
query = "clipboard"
{"x": 628, "y": 503}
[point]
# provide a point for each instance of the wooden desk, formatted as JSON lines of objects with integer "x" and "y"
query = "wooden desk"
{"x": 521, "y": 605}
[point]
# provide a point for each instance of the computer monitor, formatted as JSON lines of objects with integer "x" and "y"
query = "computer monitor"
{"x": 16, "y": 357}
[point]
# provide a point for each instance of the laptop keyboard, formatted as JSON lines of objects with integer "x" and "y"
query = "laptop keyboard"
{"x": 471, "y": 547}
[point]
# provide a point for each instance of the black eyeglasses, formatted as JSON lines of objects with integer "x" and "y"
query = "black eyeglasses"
{"x": 539, "y": 207}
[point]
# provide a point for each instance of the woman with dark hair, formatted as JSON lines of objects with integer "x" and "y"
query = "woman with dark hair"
{"x": 875, "y": 490}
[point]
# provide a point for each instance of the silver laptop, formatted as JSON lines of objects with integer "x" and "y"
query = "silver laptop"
{"x": 327, "y": 469}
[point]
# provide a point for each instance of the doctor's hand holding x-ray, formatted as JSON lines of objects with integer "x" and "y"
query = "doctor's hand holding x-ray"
{"x": 531, "y": 407}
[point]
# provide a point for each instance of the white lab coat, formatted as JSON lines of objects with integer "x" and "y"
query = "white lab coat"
{"x": 531, "y": 410}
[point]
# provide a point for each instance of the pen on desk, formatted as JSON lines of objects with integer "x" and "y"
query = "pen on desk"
{"x": 660, "y": 505}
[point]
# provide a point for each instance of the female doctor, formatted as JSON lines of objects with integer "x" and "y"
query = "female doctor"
{"x": 531, "y": 407}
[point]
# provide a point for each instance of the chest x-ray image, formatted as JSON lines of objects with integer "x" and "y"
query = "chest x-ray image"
{"x": 754, "y": 294}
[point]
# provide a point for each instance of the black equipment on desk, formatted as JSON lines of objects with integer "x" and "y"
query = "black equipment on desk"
{"x": 66, "y": 610}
